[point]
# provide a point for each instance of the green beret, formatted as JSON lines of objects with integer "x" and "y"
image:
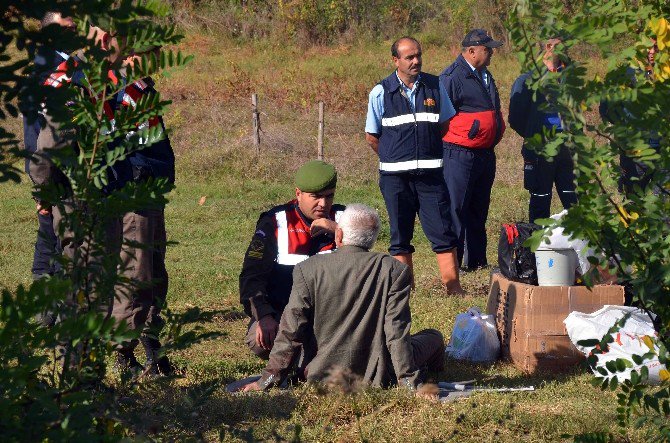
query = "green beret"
{"x": 316, "y": 176}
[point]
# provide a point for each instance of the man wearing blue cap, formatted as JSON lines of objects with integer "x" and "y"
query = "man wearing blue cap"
{"x": 407, "y": 113}
{"x": 285, "y": 236}
{"x": 469, "y": 160}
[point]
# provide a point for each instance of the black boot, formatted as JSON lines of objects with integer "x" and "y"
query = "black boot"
{"x": 126, "y": 362}
{"x": 156, "y": 364}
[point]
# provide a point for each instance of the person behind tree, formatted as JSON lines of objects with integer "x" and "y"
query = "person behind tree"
{"x": 528, "y": 117}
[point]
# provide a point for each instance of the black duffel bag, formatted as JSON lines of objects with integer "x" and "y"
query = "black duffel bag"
{"x": 517, "y": 262}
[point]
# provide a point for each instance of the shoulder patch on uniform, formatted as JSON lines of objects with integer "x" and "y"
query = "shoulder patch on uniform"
{"x": 256, "y": 249}
{"x": 141, "y": 85}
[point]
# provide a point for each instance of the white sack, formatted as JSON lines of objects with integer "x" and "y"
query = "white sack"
{"x": 627, "y": 342}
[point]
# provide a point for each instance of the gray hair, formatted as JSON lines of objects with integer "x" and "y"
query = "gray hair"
{"x": 49, "y": 18}
{"x": 360, "y": 226}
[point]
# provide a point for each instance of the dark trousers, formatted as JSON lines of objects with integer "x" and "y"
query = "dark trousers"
{"x": 47, "y": 248}
{"x": 140, "y": 305}
{"x": 418, "y": 192}
{"x": 539, "y": 177}
{"x": 469, "y": 174}
{"x": 428, "y": 350}
{"x": 250, "y": 339}
{"x": 307, "y": 353}
{"x": 84, "y": 255}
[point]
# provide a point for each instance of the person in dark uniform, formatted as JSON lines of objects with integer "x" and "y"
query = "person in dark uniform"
{"x": 285, "y": 236}
{"x": 469, "y": 159}
{"x": 142, "y": 230}
{"x": 407, "y": 114}
{"x": 635, "y": 174}
{"x": 47, "y": 246}
{"x": 529, "y": 117}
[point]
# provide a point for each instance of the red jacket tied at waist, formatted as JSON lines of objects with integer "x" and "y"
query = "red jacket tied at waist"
{"x": 474, "y": 129}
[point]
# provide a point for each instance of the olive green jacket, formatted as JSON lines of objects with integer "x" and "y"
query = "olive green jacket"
{"x": 351, "y": 310}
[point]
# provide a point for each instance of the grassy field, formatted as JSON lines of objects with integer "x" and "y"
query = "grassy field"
{"x": 210, "y": 123}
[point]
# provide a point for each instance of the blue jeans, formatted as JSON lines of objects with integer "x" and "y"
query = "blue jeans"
{"x": 47, "y": 248}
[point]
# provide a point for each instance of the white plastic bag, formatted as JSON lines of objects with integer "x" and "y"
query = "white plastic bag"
{"x": 628, "y": 341}
{"x": 474, "y": 337}
{"x": 558, "y": 240}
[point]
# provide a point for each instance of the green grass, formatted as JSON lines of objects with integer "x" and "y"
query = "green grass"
{"x": 209, "y": 122}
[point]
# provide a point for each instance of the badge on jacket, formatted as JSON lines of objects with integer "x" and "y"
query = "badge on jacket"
{"x": 429, "y": 102}
{"x": 256, "y": 249}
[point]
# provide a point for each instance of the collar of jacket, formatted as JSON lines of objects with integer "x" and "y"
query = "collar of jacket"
{"x": 396, "y": 85}
{"x": 460, "y": 60}
{"x": 304, "y": 218}
{"x": 351, "y": 248}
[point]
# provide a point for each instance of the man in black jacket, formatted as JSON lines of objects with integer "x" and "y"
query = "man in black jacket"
{"x": 529, "y": 117}
{"x": 285, "y": 236}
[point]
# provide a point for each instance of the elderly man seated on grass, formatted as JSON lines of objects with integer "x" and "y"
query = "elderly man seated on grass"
{"x": 350, "y": 309}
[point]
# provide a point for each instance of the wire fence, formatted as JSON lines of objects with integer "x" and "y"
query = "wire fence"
{"x": 281, "y": 133}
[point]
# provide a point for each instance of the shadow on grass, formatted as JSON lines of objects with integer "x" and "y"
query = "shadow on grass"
{"x": 503, "y": 374}
{"x": 161, "y": 407}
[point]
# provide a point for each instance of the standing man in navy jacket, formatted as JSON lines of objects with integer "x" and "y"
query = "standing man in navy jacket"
{"x": 407, "y": 113}
{"x": 529, "y": 117}
{"x": 469, "y": 160}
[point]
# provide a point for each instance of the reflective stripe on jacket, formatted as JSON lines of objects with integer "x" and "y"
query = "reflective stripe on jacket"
{"x": 294, "y": 238}
{"x": 410, "y": 140}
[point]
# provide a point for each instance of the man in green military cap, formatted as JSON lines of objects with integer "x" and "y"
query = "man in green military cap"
{"x": 286, "y": 235}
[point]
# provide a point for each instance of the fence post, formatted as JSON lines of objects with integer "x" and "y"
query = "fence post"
{"x": 256, "y": 122}
{"x": 320, "y": 136}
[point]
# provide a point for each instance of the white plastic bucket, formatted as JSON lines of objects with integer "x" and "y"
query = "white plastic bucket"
{"x": 556, "y": 267}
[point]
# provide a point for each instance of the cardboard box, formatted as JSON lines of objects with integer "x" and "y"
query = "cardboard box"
{"x": 529, "y": 320}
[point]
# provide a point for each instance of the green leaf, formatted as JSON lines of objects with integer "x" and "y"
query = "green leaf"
{"x": 614, "y": 382}
{"x": 640, "y": 421}
{"x": 588, "y": 343}
{"x": 652, "y": 402}
{"x": 611, "y": 366}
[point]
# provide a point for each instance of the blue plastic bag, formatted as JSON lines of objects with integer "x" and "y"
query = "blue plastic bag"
{"x": 474, "y": 337}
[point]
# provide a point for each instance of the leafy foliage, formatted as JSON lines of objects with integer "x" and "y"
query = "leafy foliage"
{"x": 330, "y": 21}
{"x": 52, "y": 381}
{"x": 628, "y": 228}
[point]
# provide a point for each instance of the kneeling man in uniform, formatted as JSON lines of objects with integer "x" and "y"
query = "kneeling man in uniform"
{"x": 286, "y": 235}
